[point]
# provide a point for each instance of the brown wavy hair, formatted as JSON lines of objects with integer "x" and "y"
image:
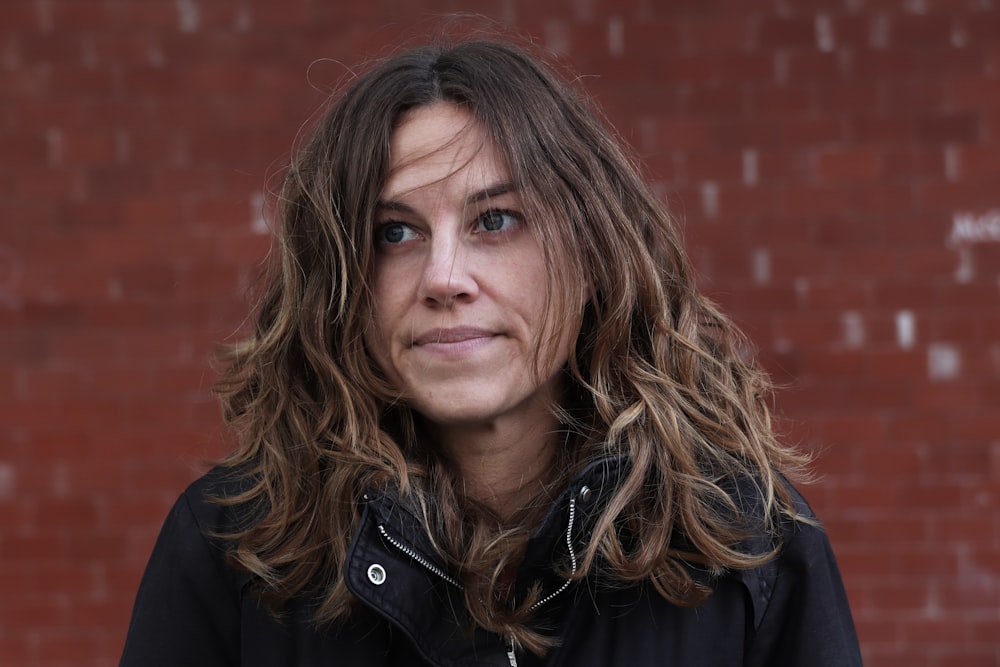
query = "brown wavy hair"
{"x": 656, "y": 372}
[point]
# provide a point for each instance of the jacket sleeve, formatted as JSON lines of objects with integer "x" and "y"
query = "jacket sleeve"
{"x": 187, "y": 609}
{"x": 807, "y": 620}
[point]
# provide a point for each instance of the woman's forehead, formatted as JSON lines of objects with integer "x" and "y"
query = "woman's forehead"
{"x": 441, "y": 143}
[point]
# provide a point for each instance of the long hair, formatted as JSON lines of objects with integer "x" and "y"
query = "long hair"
{"x": 656, "y": 371}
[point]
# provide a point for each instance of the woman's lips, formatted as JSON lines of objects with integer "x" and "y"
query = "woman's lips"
{"x": 455, "y": 341}
{"x": 451, "y": 336}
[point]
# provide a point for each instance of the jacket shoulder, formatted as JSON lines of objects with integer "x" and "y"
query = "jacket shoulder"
{"x": 213, "y": 500}
{"x": 801, "y": 613}
{"x": 791, "y": 535}
{"x": 187, "y": 609}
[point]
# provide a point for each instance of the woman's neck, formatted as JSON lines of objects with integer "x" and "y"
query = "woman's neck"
{"x": 503, "y": 466}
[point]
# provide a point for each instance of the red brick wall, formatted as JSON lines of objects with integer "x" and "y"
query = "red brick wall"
{"x": 836, "y": 164}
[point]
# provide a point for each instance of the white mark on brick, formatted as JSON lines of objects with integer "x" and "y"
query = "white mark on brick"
{"x": 7, "y": 482}
{"x": 853, "y": 326}
{"x": 932, "y": 605}
{"x": 917, "y": 6}
{"x": 180, "y": 154}
{"x": 258, "y": 221}
{"x": 123, "y": 146}
{"x": 244, "y": 19}
{"x": 825, "y": 39}
{"x": 974, "y": 577}
{"x": 801, "y": 286}
{"x": 43, "y": 10}
{"x": 968, "y": 227}
{"x": 88, "y": 52}
{"x": 967, "y": 230}
{"x": 906, "y": 329}
{"x": 557, "y": 36}
{"x": 747, "y": 352}
{"x": 878, "y": 32}
{"x": 661, "y": 189}
{"x": 710, "y": 199}
{"x": 583, "y": 10}
{"x": 944, "y": 361}
{"x": 187, "y": 16}
{"x": 508, "y": 12}
{"x": 952, "y": 164}
{"x": 762, "y": 266}
{"x": 61, "y": 486}
{"x": 53, "y": 143}
{"x": 155, "y": 56}
{"x": 782, "y": 64}
{"x": 116, "y": 290}
{"x": 647, "y": 135}
{"x": 958, "y": 37}
{"x": 750, "y": 174}
{"x": 616, "y": 36}
{"x": 854, "y": 5}
{"x": 686, "y": 41}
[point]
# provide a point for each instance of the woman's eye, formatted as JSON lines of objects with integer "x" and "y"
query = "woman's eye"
{"x": 395, "y": 232}
{"x": 497, "y": 221}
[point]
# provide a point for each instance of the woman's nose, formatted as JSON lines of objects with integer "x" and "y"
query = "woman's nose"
{"x": 447, "y": 273}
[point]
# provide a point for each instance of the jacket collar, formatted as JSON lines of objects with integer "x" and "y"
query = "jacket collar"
{"x": 393, "y": 568}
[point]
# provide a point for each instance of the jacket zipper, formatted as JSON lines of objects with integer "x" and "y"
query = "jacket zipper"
{"x": 417, "y": 557}
{"x": 572, "y": 557}
{"x": 511, "y": 653}
{"x": 511, "y": 648}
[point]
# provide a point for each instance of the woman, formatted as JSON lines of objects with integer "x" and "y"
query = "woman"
{"x": 485, "y": 417}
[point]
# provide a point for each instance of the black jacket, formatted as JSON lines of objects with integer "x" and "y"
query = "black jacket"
{"x": 194, "y": 609}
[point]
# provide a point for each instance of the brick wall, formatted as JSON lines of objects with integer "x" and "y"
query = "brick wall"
{"x": 836, "y": 165}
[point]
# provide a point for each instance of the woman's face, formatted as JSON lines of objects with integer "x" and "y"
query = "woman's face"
{"x": 460, "y": 280}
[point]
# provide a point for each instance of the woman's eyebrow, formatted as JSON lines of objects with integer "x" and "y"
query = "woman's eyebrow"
{"x": 490, "y": 192}
{"x": 474, "y": 198}
{"x": 392, "y": 205}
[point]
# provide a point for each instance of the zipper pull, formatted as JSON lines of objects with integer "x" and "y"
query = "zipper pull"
{"x": 511, "y": 655}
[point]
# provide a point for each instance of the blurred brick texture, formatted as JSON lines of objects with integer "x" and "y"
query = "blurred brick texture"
{"x": 835, "y": 164}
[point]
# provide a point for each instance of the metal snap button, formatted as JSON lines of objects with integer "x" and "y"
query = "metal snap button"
{"x": 585, "y": 494}
{"x": 376, "y": 574}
